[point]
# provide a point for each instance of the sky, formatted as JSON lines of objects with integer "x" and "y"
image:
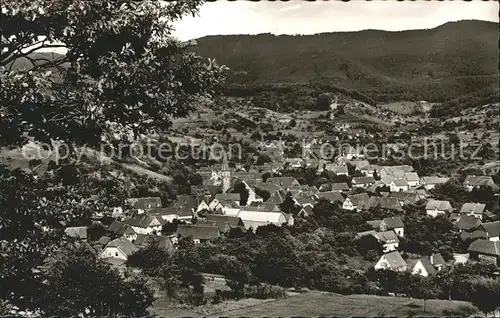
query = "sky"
{"x": 304, "y": 17}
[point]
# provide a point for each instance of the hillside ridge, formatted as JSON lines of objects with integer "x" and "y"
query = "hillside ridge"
{"x": 437, "y": 65}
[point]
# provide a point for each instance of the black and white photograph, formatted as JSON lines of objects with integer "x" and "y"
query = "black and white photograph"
{"x": 198, "y": 158}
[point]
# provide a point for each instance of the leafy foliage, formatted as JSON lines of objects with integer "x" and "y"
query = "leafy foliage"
{"x": 121, "y": 75}
{"x": 76, "y": 283}
{"x": 122, "y": 71}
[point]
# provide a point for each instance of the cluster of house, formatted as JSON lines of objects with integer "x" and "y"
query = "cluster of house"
{"x": 215, "y": 207}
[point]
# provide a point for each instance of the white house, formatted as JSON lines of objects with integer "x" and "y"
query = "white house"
{"x": 362, "y": 182}
{"x": 437, "y": 207}
{"x": 144, "y": 224}
{"x": 492, "y": 230}
{"x": 393, "y": 223}
{"x": 142, "y": 204}
{"x": 430, "y": 183}
{"x": 391, "y": 261}
{"x": 398, "y": 185}
{"x": 116, "y": 212}
{"x": 348, "y": 205}
{"x": 369, "y": 170}
{"x": 119, "y": 249}
{"x": 130, "y": 234}
{"x": 338, "y": 170}
{"x": 389, "y": 240}
{"x": 413, "y": 179}
{"x": 202, "y": 206}
{"x": 429, "y": 265}
{"x": 473, "y": 209}
{"x": 254, "y": 219}
{"x": 230, "y": 208}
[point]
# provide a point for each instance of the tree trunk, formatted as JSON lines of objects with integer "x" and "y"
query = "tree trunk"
{"x": 425, "y": 305}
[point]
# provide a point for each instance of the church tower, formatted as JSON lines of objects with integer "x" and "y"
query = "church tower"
{"x": 225, "y": 174}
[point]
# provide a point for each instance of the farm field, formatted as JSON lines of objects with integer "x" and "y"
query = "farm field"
{"x": 327, "y": 304}
{"x": 314, "y": 303}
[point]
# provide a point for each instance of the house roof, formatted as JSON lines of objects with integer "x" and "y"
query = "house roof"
{"x": 375, "y": 224}
{"x": 392, "y": 171}
{"x": 437, "y": 259}
{"x": 118, "y": 228}
{"x": 429, "y": 268}
{"x": 387, "y": 237}
{"x": 186, "y": 201}
{"x": 228, "y": 197}
{"x": 205, "y": 189}
{"x": 401, "y": 196}
{"x": 394, "y": 259}
{"x": 477, "y": 181}
{"x": 359, "y": 164}
{"x": 432, "y": 180}
{"x": 79, "y": 232}
{"x": 331, "y": 196}
{"x": 230, "y": 204}
{"x": 141, "y": 220}
{"x": 412, "y": 177}
{"x": 464, "y": 236}
{"x": 140, "y": 239}
{"x": 370, "y": 168}
{"x": 467, "y": 222}
{"x": 492, "y": 228}
{"x": 308, "y": 210}
{"x": 305, "y": 199}
{"x": 364, "y": 233}
{"x": 269, "y": 187}
{"x": 339, "y": 186}
{"x": 124, "y": 245}
{"x": 169, "y": 210}
{"x": 431, "y": 262}
{"x": 438, "y": 204}
{"x": 260, "y": 216}
{"x": 405, "y": 168}
{"x": 263, "y": 206}
{"x": 475, "y": 208}
{"x": 387, "y": 180}
{"x": 485, "y": 247}
{"x": 144, "y": 203}
{"x": 284, "y": 182}
{"x": 389, "y": 203}
{"x": 361, "y": 200}
{"x": 219, "y": 220}
{"x": 198, "y": 231}
{"x": 393, "y": 222}
{"x": 103, "y": 240}
{"x": 277, "y": 197}
{"x": 336, "y": 168}
{"x": 363, "y": 180}
{"x": 401, "y": 183}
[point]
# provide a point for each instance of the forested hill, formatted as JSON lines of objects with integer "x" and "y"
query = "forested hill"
{"x": 438, "y": 64}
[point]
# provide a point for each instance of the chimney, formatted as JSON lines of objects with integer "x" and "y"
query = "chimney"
{"x": 432, "y": 259}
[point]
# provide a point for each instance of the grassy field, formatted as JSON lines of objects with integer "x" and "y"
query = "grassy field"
{"x": 327, "y": 304}
{"x": 401, "y": 107}
{"x": 311, "y": 304}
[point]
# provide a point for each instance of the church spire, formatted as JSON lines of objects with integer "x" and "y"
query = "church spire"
{"x": 225, "y": 174}
{"x": 225, "y": 164}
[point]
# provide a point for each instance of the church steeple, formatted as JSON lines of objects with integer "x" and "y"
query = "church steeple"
{"x": 225, "y": 164}
{"x": 225, "y": 173}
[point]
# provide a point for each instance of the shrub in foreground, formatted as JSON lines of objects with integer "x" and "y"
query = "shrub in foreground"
{"x": 265, "y": 291}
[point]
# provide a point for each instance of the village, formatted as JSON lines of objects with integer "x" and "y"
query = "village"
{"x": 214, "y": 208}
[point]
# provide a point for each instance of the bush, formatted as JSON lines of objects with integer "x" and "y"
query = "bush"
{"x": 461, "y": 311}
{"x": 265, "y": 291}
{"x": 191, "y": 297}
